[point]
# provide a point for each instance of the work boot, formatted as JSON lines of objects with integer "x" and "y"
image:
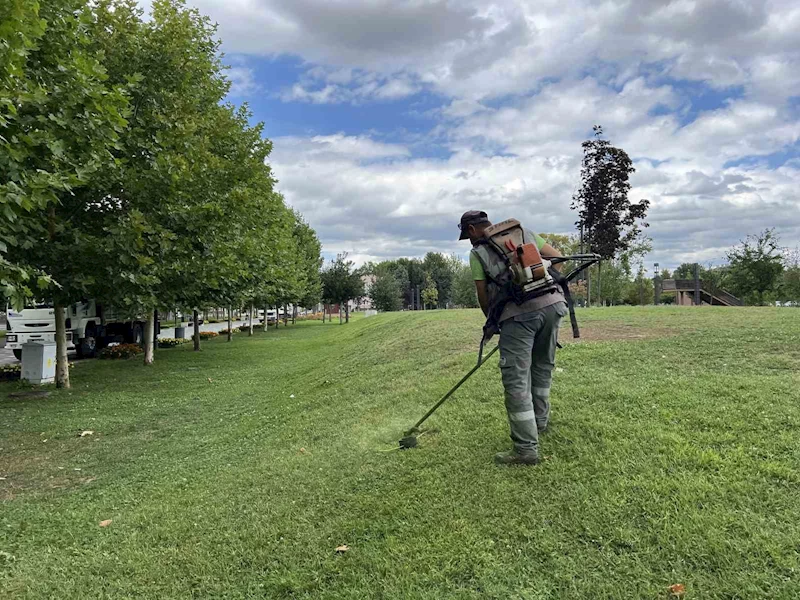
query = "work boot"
{"x": 512, "y": 458}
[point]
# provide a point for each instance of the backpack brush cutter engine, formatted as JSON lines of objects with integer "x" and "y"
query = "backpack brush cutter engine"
{"x": 409, "y": 439}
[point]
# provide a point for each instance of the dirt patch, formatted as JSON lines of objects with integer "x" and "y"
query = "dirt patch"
{"x": 611, "y": 331}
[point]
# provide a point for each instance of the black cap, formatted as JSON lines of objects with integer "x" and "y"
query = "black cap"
{"x": 471, "y": 217}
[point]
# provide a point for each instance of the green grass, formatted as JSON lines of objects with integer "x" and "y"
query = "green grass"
{"x": 674, "y": 458}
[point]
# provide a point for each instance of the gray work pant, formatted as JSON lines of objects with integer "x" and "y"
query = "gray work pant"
{"x": 527, "y": 357}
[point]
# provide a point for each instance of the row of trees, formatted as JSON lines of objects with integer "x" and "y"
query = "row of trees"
{"x": 125, "y": 175}
{"x": 758, "y": 270}
{"x": 436, "y": 281}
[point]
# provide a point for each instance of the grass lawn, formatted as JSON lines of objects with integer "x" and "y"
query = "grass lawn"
{"x": 674, "y": 458}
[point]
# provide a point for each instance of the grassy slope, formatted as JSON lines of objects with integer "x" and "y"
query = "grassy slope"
{"x": 674, "y": 459}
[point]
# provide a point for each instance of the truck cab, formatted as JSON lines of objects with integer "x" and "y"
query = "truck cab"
{"x": 90, "y": 327}
{"x": 34, "y": 323}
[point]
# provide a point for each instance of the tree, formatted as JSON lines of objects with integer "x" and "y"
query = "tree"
{"x": 430, "y": 294}
{"x": 790, "y": 282}
{"x": 341, "y": 283}
{"x": 385, "y": 293}
{"x": 608, "y": 222}
{"x": 439, "y": 268}
{"x": 756, "y": 264}
{"x": 60, "y": 118}
{"x": 464, "y": 293}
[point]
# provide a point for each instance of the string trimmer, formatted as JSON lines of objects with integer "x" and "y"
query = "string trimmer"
{"x": 410, "y": 437}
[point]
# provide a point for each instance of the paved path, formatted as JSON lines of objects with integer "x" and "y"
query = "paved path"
{"x": 7, "y": 357}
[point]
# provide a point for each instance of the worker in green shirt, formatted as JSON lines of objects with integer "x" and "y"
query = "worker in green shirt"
{"x": 528, "y": 338}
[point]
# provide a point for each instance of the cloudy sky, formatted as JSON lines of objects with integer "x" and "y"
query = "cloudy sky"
{"x": 392, "y": 117}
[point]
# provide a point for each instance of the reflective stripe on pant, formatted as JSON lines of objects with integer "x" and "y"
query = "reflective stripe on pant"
{"x": 527, "y": 357}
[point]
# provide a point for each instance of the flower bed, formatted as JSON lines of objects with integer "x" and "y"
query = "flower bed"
{"x": 207, "y": 335}
{"x": 10, "y": 372}
{"x": 121, "y": 351}
{"x": 171, "y": 342}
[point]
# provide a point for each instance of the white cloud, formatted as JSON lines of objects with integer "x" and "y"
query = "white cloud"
{"x": 521, "y": 84}
{"x": 243, "y": 82}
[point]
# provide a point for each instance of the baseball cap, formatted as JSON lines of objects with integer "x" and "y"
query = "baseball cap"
{"x": 471, "y": 217}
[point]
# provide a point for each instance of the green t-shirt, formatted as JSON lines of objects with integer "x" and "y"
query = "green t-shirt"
{"x": 477, "y": 268}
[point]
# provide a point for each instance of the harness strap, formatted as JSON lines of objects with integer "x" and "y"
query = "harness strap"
{"x": 492, "y": 325}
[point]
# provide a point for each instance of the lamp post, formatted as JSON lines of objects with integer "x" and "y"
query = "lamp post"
{"x": 656, "y": 285}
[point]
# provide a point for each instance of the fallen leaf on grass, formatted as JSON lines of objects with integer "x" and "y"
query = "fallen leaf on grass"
{"x": 87, "y": 432}
{"x": 105, "y": 523}
{"x": 291, "y": 396}
{"x": 342, "y": 549}
{"x": 677, "y": 589}
{"x": 559, "y": 370}
{"x": 209, "y": 380}
{"x": 303, "y": 450}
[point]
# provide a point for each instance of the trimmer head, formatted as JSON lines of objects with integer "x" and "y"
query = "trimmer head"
{"x": 408, "y": 442}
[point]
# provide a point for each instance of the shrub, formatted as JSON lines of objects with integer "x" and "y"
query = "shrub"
{"x": 310, "y": 317}
{"x": 207, "y": 335}
{"x": 171, "y": 342}
{"x": 121, "y": 351}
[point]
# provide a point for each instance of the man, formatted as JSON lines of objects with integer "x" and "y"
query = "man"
{"x": 528, "y": 337}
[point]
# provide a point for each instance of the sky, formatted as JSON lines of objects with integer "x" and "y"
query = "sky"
{"x": 390, "y": 118}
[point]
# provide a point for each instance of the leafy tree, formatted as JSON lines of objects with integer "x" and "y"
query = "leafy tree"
{"x": 790, "y": 282}
{"x": 385, "y": 293}
{"x": 756, "y": 264}
{"x": 60, "y": 118}
{"x": 430, "y": 294}
{"x": 608, "y": 221}
{"x": 438, "y": 267}
{"x": 341, "y": 283}
{"x": 641, "y": 290}
{"x": 464, "y": 293}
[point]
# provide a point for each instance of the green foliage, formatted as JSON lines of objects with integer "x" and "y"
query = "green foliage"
{"x": 60, "y": 117}
{"x": 430, "y": 293}
{"x": 464, "y": 293}
{"x": 790, "y": 281}
{"x": 439, "y": 268}
{"x": 340, "y": 281}
{"x": 756, "y": 265}
{"x": 386, "y": 293}
{"x": 121, "y": 351}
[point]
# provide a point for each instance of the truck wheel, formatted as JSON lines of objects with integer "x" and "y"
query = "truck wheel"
{"x": 137, "y": 334}
{"x": 18, "y": 354}
{"x": 87, "y": 347}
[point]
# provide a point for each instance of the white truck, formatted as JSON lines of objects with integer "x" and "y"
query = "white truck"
{"x": 89, "y": 327}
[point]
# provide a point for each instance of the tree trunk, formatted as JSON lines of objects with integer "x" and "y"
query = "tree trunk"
{"x": 589, "y": 287}
{"x": 277, "y": 317}
{"x": 230, "y": 324}
{"x": 347, "y": 312}
{"x": 600, "y": 283}
{"x": 196, "y": 335}
{"x": 340, "y": 313}
{"x": 250, "y": 332}
{"x": 149, "y": 334}
{"x": 294, "y": 314}
{"x": 62, "y": 365}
